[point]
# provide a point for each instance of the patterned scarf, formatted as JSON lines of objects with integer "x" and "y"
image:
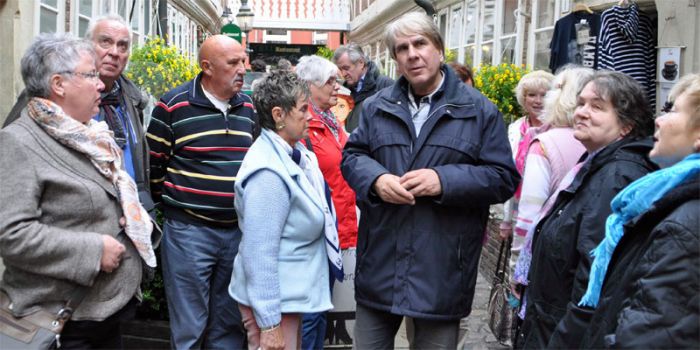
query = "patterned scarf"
{"x": 95, "y": 141}
{"x": 108, "y": 112}
{"x": 328, "y": 118}
{"x": 631, "y": 202}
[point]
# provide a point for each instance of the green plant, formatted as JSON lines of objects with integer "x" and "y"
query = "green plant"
{"x": 498, "y": 84}
{"x": 450, "y": 56}
{"x": 325, "y": 53}
{"x": 157, "y": 67}
{"x": 154, "y": 305}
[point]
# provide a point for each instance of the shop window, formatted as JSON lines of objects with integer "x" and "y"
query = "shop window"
{"x": 85, "y": 12}
{"x": 545, "y": 13}
{"x": 51, "y": 16}
{"x": 455, "y": 26}
{"x": 489, "y": 20}
{"x": 542, "y": 51}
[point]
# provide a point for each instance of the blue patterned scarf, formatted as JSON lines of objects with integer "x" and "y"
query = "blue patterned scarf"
{"x": 632, "y": 201}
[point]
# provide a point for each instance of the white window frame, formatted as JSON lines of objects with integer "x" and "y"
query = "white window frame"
{"x": 518, "y": 35}
{"x": 60, "y": 11}
{"x": 534, "y": 30}
{"x": 460, "y": 31}
{"x": 76, "y": 15}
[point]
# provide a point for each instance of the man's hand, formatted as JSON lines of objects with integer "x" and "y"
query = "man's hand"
{"x": 422, "y": 182}
{"x": 112, "y": 252}
{"x": 272, "y": 339}
{"x": 389, "y": 189}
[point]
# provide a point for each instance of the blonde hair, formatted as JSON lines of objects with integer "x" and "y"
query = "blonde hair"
{"x": 536, "y": 80}
{"x": 689, "y": 85}
{"x": 560, "y": 101}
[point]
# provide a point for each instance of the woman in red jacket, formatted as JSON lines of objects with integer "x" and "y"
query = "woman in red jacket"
{"x": 327, "y": 139}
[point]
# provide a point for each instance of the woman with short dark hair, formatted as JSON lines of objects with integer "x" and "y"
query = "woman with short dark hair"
{"x": 644, "y": 281}
{"x": 286, "y": 218}
{"x": 613, "y": 121}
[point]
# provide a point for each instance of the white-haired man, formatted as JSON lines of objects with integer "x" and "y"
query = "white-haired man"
{"x": 122, "y": 102}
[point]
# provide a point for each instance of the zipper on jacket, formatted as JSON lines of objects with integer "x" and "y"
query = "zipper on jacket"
{"x": 228, "y": 109}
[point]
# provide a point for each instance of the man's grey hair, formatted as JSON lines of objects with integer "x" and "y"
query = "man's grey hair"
{"x": 411, "y": 24}
{"x": 278, "y": 88}
{"x": 49, "y": 54}
{"x": 354, "y": 52}
{"x": 90, "y": 32}
{"x": 316, "y": 70}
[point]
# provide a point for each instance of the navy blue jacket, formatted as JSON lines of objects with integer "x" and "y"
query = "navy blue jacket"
{"x": 421, "y": 260}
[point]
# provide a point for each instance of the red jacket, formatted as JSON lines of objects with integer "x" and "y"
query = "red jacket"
{"x": 329, "y": 153}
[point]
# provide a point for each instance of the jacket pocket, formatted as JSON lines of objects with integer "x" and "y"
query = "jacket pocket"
{"x": 448, "y": 149}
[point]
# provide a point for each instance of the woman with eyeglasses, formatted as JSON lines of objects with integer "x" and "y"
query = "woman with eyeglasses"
{"x": 645, "y": 276}
{"x": 327, "y": 139}
{"x": 72, "y": 230}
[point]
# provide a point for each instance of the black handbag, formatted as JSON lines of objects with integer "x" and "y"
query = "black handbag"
{"x": 501, "y": 314}
{"x": 38, "y": 330}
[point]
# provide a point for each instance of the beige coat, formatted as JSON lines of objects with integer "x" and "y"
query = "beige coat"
{"x": 54, "y": 206}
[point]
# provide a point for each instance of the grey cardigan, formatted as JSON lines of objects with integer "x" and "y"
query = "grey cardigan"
{"x": 54, "y": 206}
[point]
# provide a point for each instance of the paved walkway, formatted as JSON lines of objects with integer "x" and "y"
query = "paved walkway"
{"x": 474, "y": 330}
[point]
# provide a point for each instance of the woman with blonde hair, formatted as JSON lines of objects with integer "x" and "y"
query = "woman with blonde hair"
{"x": 530, "y": 93}
{"x": 550, "y": 156}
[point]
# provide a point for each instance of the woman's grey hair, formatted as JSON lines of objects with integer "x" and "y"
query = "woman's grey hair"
{"x": 49, "y": 54}
{"x": 278, "y": 88}
{"x": 533, "y": 81}
{"x": 316, "y": 69}
{"x": 411, "y": 24}
{"x": 560, "y": 101}
{"x": 629, "y": 99}
{"x": 90, "y": 32}
{"x": 353, "y": 51}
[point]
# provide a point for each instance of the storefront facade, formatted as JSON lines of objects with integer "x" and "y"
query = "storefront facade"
{"x": 517, "y": 31}
{"x": 188, "y": 22}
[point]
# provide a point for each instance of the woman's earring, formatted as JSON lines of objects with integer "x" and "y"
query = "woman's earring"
{"x": 280, "y": 126}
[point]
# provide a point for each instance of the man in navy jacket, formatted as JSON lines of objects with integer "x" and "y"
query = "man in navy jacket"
{"x": 428, "y": 158}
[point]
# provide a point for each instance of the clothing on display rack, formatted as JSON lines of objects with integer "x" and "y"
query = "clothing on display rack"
{"x": 627, "y": 45}
{"x": 574, "y": 40}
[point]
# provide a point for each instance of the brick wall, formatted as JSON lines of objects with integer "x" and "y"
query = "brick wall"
{"x": 489, "y": 253}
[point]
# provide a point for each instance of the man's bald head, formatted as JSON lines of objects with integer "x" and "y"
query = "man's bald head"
{"x": 222, "y": 60}
{"x": 216, "y": 44}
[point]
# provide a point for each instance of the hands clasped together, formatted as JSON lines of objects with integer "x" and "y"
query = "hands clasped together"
{"x": 404, "y": 190}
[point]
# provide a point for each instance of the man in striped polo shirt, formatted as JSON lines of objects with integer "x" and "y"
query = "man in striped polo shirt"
{"x": 198, "y": 136}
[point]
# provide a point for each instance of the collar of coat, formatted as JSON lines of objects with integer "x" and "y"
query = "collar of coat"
{"x": 452, "y": 91}
{"x": 627, "y": 149}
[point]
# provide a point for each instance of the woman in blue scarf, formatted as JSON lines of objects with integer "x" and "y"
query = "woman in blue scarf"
{"x": 645, "y": 276}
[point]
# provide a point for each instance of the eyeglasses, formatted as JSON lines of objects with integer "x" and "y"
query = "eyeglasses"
{"x": 333, "y": 80}
{"x": 94, "y": 75}
{"x": 108, "y": 43}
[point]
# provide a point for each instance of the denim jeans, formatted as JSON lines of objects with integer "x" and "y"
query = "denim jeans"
{"x": 197, "y": 264}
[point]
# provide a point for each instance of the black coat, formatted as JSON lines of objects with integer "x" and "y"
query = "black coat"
{"x": 372, "y": 83}
{"x": 651, "y": 293}
{"x": 575, "y": 225}
{"x": 421, "y": 260}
